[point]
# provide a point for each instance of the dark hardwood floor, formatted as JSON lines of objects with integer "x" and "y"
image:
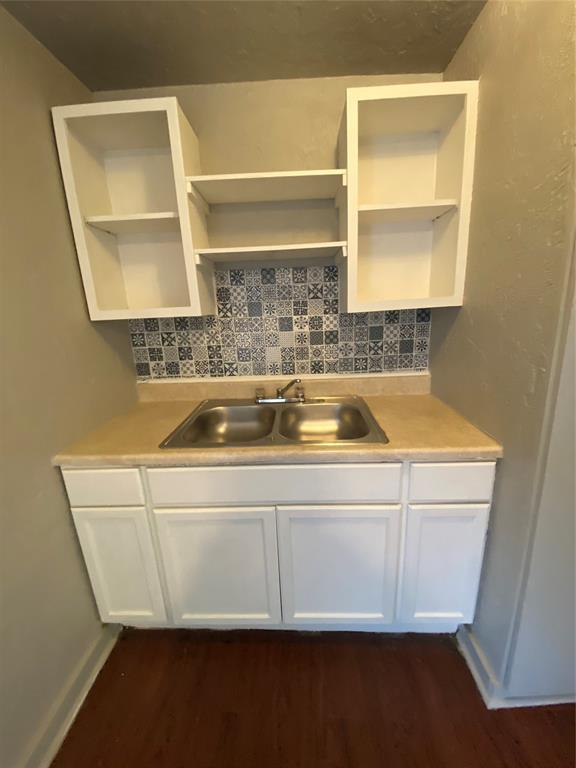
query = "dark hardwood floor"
{"x": 178, "y": 699}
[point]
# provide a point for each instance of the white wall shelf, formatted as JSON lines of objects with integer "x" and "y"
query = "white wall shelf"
{"x": 269, "y": 187}
{"x": 134, "y": 223}
{"x": 273, "y": 252}
{"x": 149, "y": 225}
{"x": 397, "y": 213}
{"x": 124, "y": 166}
{"x": 409, "y": 153}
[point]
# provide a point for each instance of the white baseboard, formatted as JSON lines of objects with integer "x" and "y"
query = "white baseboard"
{"x": 488, "y": 684}
{"x": 478, "y": 664}
{"x": 53, "y": 729}
{"x": 498, "y": 702}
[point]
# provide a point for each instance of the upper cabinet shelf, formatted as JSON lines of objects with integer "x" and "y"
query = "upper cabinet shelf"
{"x": 268, "y": 187}
{"x": 134, "y": 223}
{"x": 418, "y": 212}
{"x": 272, "y": 252}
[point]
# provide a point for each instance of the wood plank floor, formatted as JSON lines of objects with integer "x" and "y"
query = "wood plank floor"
{"x": 178, "y": 699}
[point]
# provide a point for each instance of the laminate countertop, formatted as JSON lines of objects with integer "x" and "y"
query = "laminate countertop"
{"x": 419, "y": 427}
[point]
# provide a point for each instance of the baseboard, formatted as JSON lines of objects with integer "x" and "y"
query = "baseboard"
{"x": 478, "y": 664}
{"x": 487, "y": 682}
{"x": 53, "y": 729}
{"x": 498, "y": 702}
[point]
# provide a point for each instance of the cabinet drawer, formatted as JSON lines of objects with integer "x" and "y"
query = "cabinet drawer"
{"x": 276, "y": 485}
{"x": 463, "y": 481}
{"x": 103, "y": 487}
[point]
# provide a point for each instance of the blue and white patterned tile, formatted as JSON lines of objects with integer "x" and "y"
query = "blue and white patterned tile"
{"x": 278, "y": 321}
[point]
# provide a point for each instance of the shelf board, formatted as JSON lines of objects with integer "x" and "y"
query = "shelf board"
{"x": 268, "y": 187}
{"x": 135, "y": 223}
{"x": 271, "y": 252}
{"x": 414, "y": 212}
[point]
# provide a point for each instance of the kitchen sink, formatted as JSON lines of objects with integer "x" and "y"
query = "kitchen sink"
{"x": 223, "y": 425}
{"x": 321, "y": 421}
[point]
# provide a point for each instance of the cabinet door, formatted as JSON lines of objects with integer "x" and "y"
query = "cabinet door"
{"x": 121, "y": 562}
{"x": 338, "y": 564}
{"x": 221, "y": 565}
{"x": 442, "y": 562}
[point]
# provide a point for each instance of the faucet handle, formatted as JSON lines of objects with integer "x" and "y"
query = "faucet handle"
{"x": 260, "y": 394}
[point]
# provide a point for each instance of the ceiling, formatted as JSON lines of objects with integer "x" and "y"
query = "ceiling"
{"x": 135, "y": 44}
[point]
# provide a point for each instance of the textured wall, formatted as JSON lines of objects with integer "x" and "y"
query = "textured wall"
{"x": 547, "y": 618}
{"x": 61, "y": 375}
{"x": 274, "y": 125}
{"x": 491, "y": 360}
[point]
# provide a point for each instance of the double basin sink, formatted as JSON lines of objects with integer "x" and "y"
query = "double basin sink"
{"x": 325, "y": 421}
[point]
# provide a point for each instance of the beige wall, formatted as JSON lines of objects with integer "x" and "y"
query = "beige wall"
{"x": 274, "y": 125}
{"x": 492, "y": 359}
{"x": 61, "y": 375}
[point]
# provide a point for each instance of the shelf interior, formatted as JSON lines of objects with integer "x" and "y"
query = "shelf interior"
{"x": 413, "y": 259}
{"x": 269, "y": 187}
{"x": 410, "y": 150}
{"x": 142, "y": 223}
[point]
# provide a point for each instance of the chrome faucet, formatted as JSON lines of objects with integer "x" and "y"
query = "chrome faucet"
{"x": 261, "y": 398}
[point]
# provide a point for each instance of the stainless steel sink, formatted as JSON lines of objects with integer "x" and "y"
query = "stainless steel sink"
{"x": 322, "y": 421}
{"x": 223, "y": 424}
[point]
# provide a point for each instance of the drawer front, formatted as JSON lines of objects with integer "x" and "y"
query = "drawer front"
{"x": 462, "y": 481}
{"x": 276, "y": 485}
{"x": 103, "y": 487}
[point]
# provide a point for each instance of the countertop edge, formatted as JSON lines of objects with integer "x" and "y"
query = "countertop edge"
{"x": 180, "y": 460}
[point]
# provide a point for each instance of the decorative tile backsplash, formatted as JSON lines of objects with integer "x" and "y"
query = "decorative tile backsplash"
{"x": 280, "y": 321}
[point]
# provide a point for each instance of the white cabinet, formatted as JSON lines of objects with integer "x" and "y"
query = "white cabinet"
{"x": 314, "y": 545}
{"x": 221, "y": 565}
{"x": 442, "y": 561}
{"x": 119, "y": 554}
{"x": 338, "y": 564}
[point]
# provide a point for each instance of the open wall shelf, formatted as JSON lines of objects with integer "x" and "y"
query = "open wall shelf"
{"x": 149, "y": 225}
{"x": 396, "y": 213}
{"x": 268, "y": 187}
{"x": 124, "y": 173}
{"x": 273, "y": 252}
{"x": 410, "y": 159}
{"x": 134, "y": 223}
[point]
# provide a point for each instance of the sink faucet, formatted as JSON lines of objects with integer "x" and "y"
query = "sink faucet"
{"x": 261, "y": 398}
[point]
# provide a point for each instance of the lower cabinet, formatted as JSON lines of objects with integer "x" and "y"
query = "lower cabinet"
{"x": 338, "y": 564}
{"x": 121, "y": 562}
{"x": 442, "y": 562}
{"x": 410, "y": 559}
{"x": 221, "y": 565}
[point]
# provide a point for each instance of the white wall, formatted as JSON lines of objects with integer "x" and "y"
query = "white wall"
{"x": 61, "y": 376}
